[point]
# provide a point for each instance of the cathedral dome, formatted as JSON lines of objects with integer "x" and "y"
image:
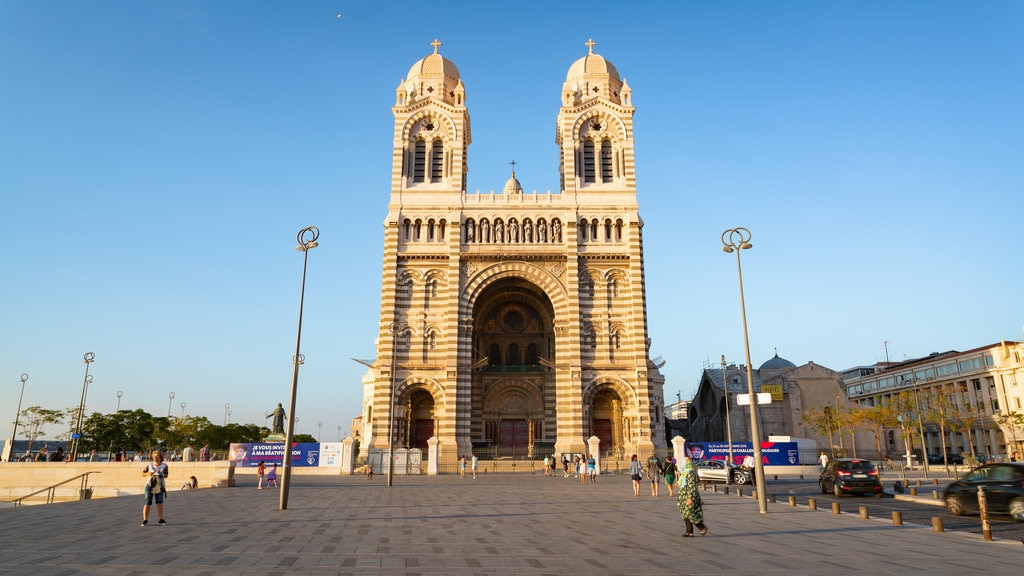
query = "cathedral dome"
{"x": 513, "y": 186}
{"x": 777, "y": 363}
{"x": 433, "y": 76}
{"x": 592, "y": 76}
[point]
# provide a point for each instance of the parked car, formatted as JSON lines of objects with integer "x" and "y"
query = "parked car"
{"x": 1004, "y": 490}
{"x": 720, "y": 471}
{"x": 951, "y": 458}
{"x": 850, "y": 476}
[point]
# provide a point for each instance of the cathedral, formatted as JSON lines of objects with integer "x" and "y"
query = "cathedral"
{"x": 513, "y": 321}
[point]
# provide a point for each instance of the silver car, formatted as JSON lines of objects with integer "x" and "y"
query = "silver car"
{"x": 719, "y": 471}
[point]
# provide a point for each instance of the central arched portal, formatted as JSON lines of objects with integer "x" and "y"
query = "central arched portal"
{"x": 513, "y": 412}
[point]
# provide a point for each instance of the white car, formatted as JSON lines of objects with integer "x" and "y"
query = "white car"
{"x": 719, "y": 471}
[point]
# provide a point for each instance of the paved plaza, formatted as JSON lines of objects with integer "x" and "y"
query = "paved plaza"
{"x": 496, "y": 524}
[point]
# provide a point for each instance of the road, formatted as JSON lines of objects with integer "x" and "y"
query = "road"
{"x": 1002, "y": 526}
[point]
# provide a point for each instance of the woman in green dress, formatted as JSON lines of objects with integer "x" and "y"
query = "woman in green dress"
{"x": 690, "y": 506}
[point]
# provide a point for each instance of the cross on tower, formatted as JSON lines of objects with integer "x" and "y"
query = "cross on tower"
{"x": 590, "y": 44}
{"x": 436, "y": 44}
{"x": 513, "y": 163}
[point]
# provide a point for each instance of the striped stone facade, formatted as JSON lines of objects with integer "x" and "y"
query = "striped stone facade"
{"x": 514, "y": 320}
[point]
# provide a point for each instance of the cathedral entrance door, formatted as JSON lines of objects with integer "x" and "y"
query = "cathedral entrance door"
{"x": 603, "y": 430}
{"x": 514, "y": 434}
{"x": 424, "y": 431}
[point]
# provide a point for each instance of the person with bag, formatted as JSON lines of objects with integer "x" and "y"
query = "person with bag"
{"x": 669, "y": 470}
{"x": 636, "y": 473}
{"x": 156, "y": 475}
{"x": 691, "y": 508}
{"x": 654, "y": 473}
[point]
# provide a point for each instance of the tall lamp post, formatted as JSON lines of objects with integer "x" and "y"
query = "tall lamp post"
{"x": 306, "y": 239}
{"x": 728, "y": 419}
{"x": 88, "y": 359}
{"x": 920, "y": 427}
{"x": 14, "y": 434}
{"x": 170, "y": 398}
{"x": 183, "y": 410}
{"x": 735, "y": 240}
{"x": 118, "y": 407}
{"x": 395, "y": 329}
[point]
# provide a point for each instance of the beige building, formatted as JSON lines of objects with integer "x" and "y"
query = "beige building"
{"x": 513, "y": 321}
{"x": 979, "y": 387}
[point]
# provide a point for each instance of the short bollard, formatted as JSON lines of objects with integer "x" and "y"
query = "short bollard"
{"x": 739, "y": 492}
{"x": 812, "y": 504}
{"x": 913, "y": 491}
{"x": 792, "y": 500}
{"x": 835, "y": 508}
{"x": 897, "y": 518}
{"x": 715, "y": 489}
{"x": 937, "y": 524}
{"x": 936, "y": 495}
{"x": 864, "y": 512}
{"x": 776, "y": 476}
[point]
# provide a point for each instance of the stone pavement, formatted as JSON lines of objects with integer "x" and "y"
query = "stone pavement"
{"x": 496, "y": 524}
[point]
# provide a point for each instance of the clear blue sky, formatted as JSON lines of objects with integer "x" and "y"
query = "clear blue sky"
{"x": 158, "y": 158}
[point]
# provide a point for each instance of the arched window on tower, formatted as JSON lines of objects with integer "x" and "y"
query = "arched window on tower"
{"x": 593, "y": 229}
{"x": 440, "y": 230}
{"x": 583, "y": 230}
{"x": 606, "y": 161}
{"x": 618, "y": 230}
{"x": 436, "y": 161}
{"x": 607, "y": 230}
{"x": 407, "y": 225}
{"x": 417, "y": 230}
{"x": 513, "y": 354}
{"x": 494, "y": 355}
{"x": 419, "y": 161}
{"x": 532, "y": 357}
{"x": 430, "y": 230}
{"x": 588, "y": 161}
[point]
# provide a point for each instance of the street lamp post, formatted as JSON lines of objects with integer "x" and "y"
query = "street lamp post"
{"x": 306, "y": 239}
{"x": 319, "y": 430}
{"x": 88, "y": 359}
{"x": 14, "y": 434}
{"x": 395, "y": 329}
{"x": 735, "y": 240}
{"x": 339, "y": 433}
{"x": 728, "y": 419}
{"x": 182, "y": 409}
{"x": 118, "y": 407}
{"x": 170, "y": 398}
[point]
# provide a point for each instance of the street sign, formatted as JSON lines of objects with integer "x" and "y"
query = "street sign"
{"x": 76, "y": 436}
{"x": 762, "y": 398}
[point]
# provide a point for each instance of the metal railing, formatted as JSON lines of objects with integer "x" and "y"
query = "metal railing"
{"x": 84, "y": 491}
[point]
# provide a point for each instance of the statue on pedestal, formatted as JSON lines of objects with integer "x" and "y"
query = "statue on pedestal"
{"x": 279, "y": 416}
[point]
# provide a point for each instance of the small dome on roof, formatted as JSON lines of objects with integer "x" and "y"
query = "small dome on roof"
{"x": 777, "y": 363}
{"x": 513, "y": 186}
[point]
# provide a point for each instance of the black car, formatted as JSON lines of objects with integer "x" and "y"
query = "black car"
{"x": 951, "y": 458}
{"x": 1004, "y": 490}
{"x": 850, "y": 476}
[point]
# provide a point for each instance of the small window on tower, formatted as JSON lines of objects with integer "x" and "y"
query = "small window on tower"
{"x": 419, "y": 163}
{"x": 606, "y": 161}
{"x": 436, "y": 161}
{"x": 588, "y": 161}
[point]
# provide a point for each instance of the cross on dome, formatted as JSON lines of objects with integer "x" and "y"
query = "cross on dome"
{"x": 590, "y": 44}
{"x": 513, "y": 163}
{"x": 436, "y": 44}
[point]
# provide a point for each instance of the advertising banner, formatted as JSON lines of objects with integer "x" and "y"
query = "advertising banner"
{"x": 772, "y": 453}
{"x": 250, "y": 455}
{"x": 330, "y": 453}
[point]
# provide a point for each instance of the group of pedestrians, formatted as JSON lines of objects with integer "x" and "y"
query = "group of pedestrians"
{"x": 474, "y": 462}
{"x": 690, "y": 505}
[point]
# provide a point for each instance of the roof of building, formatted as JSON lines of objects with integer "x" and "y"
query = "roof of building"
{"x": 777, "y": 363}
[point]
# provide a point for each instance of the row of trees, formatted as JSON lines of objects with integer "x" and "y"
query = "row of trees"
{"x": 943, "y": 409}
{"x": 138, "y": 430}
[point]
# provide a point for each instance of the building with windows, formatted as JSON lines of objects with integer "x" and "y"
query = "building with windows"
{"x": 513, "y": 322}
{"x": 961, "y": 402}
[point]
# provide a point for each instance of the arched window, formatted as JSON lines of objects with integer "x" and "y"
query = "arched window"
{"x": 408, "y": 229}
{"x": 513, "y": 354}
{"x": 606, "y": 161}
{"x": 417, "y": 230}
{"x": 436, "y": 161}
{"x": 419, "y": 162}
{"x": 607, "y": 230}
{"x": 532, "y": 357}
{"x": 494, "y": 355}
{"x": 440, "y": 230}
{"x": 588, "y": 161}
{"x": 583, "y": 230}
{"x": 593, "y": 229}
{"x": 430, "y": 230}
{"x": 618, "y": 230}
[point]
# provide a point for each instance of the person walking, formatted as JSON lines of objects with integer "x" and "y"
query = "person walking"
{"x": 474, "y": 463}
{"x": 261, "y": 469}
{"x": 823, "y": 460}
{"x": 272, "y": 476}
{"x": 156, "y": 472}
{"x": 670, "y": 470}
{"x": 547, "y": 466}
{"x": 636, "y": 473}
{"x": 565, "y": 466}
{"x": 581, "y": 468}
{"x": 462, "y": 466}
{"x": 690, "y": 506}
{"x": 592, "y": 468}
{"x": 654, "y": 473}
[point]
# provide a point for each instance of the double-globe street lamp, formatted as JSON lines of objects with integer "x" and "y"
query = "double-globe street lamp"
{"x": 14, "y": 434}
{"x": 88, "y": 359}
{"x": 306, "y": 239}
{"x": 395, "y": 329}
{"x": 735, "y": 240}
{"x": 170, "y": 398}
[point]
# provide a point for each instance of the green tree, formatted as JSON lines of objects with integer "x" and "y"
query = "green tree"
{"x": 35, "y": 417}
{"x": 1013, "y": 423}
